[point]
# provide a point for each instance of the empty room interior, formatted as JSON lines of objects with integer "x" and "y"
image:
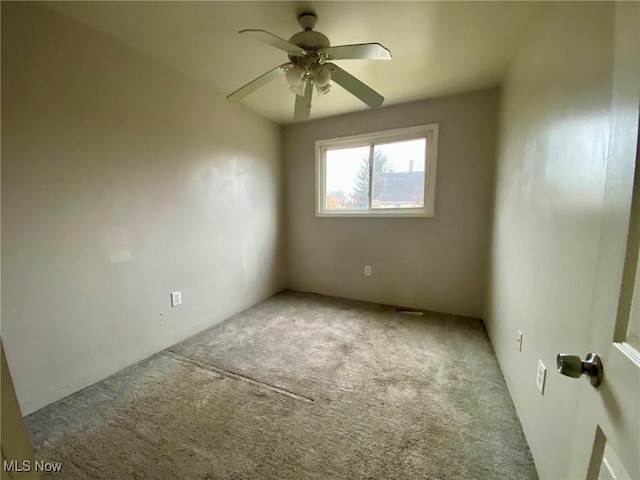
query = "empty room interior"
{"x": 320, "y": 240}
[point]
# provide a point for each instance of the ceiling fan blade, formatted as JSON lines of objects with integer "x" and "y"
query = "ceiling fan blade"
{"x": 255, "y": 84}
{"x": 303, "y": 104}
{"x": 355, "y": 86}
{"x": 362, "y": 51}
{"x": 273, "y": 40}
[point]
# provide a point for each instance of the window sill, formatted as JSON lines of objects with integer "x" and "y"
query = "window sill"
{"x": 370, "y": 214}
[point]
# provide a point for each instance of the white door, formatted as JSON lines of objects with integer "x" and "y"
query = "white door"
{"x": 606, "y": 442}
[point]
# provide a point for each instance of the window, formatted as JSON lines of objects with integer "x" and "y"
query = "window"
{"x": 381, "y": 174}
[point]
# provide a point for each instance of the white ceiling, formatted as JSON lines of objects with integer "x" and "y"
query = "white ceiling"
{"x": 438, "y": 48}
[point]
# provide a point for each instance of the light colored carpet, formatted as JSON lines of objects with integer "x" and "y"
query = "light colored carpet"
{"x": 300, "y": 386}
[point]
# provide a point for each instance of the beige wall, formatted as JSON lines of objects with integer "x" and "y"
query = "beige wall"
{"x": 554, "y": 126}
{"x": 121, "y": 181}
{"x": 433, "y": 263}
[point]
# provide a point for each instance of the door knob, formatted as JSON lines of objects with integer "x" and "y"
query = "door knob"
{"x": 572, "y": 366}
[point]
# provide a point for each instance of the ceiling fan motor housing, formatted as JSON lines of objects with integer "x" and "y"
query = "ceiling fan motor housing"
{"x": 310, "y": 40}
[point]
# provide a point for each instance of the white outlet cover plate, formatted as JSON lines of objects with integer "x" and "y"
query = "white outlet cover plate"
{"x": 176, "y": 299}
{"x": 541, "y": 377}
{"x": 367, "y": 271}
{"x": 519, "y": 341}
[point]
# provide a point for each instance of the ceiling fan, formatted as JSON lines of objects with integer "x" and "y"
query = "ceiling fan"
{"x": 310, "y": 54}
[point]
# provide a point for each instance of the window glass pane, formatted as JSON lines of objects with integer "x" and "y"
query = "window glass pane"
{"x": 398, "y": 174}
{"x": 347, "y": 178}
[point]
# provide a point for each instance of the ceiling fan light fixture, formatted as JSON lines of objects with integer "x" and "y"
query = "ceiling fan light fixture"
{"x": 298, "y": 90}
{"x": 320, "y": 74}
{"x": 323, "y": 89}
{"x": 294, "y": 75}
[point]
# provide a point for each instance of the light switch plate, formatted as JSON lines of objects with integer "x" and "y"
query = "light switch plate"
{"x": 176, "y": 299}
{"x": 519, "y": 341}
{"x": 541, "y": 377}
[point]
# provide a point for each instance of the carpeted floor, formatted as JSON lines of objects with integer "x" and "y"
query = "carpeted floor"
{"x": 300, "y": 386}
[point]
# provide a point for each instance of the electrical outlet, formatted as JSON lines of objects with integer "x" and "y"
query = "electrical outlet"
{"x": 367, "y": 270}
{"x": 176, "y": 299}
{"x": 541, "y": 376}
{"x": 519, "y": 341}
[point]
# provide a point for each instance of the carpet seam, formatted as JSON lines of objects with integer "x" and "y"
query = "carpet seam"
{"x": 236, "y": 376}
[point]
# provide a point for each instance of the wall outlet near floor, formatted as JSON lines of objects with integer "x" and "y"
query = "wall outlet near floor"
{"x": 541, "y": 377}
{"x": 519, "y": 341}
{"x": 367, "y": 270}
{"x": 176, "y": 299}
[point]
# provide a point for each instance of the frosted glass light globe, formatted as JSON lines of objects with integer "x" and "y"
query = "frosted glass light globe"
{"x": 294, "y": 75}
{"x": 321, "y": 74}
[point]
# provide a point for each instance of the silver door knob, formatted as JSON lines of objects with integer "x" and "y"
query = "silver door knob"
{"x": 572, "y": 366}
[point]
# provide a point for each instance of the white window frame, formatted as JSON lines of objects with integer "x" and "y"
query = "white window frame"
{"x": 430, "y": 132}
